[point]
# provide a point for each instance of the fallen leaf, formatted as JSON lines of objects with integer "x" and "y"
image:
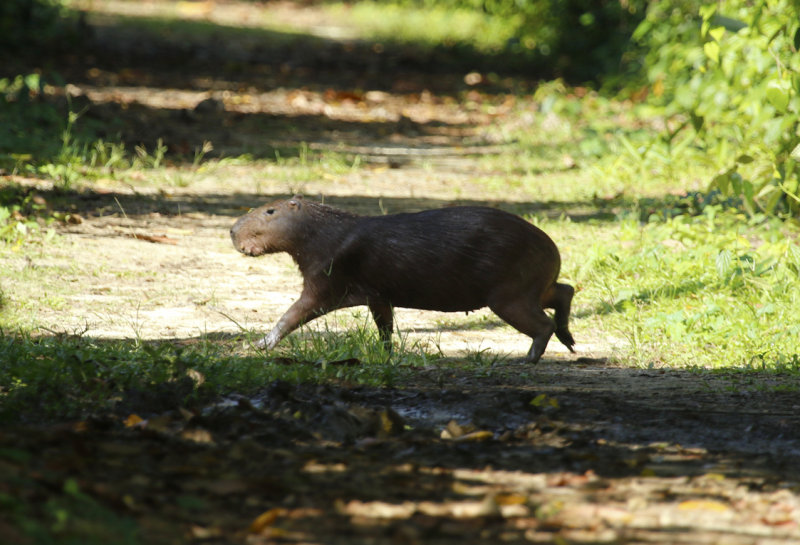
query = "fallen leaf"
{"x": 266, "y": 519}
{"x": 201, "y": 532}
{"x": 511, "y": 499}
{"x": 80, "y": 426}
{"x": 198, "y": 435}
{"x": 480, "y": 435}
{"x": 453, "y": 430}
{"x": 707, "y": 505}
{"x": 154, "y": 238}
{"x": 390, "y": 423}
{"x": 543, "y": 400}
{"x": 133, "y": 420}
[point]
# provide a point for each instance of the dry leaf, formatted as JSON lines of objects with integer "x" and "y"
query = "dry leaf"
{"x": 480, "y": 435}
{"x": 266, "y": 519}
{"x": 154, "y": 238}
{"x": 707, "y": 505}
{"x": 133, "y": 420}
{"x": 198, "y": 435}
{"x": 511, "y": 499}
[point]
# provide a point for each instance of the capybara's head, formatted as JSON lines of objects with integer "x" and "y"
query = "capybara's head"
{"x": 270, "y": 228}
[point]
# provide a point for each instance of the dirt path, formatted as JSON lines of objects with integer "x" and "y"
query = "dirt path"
{"x": 571, "y": 451}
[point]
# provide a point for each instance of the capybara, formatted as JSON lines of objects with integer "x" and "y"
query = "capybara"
{"x": 451, "y": 259}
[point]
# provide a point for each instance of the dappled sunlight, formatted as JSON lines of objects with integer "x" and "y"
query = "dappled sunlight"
{"x": 137, "y": 404}
{"x": 261, "y": 105}
{"x": 280, "y": 16}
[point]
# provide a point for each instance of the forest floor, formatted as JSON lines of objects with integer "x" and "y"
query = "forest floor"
{"x": 577, "y": 449}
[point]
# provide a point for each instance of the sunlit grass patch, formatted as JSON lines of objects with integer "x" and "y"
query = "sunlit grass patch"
{"x": 707, "y": 291}
{"x": 432, "y": 26}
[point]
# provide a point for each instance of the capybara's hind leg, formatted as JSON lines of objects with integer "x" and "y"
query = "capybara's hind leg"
{"x": 561, "y": 302}
{"x": 530, "y": 321}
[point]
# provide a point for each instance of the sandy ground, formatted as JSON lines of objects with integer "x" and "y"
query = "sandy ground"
{"x": 169, "y": 271}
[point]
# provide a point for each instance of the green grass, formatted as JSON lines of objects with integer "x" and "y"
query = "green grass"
{"x": 69, "y": 515}
{"x": 681, "y": 274}
{"x": 66, "y": 376}
{"x": 429, "y": 27}
{"x": 708, "y": 291}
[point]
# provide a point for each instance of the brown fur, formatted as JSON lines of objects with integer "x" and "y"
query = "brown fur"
{"x": 451, "y": 259}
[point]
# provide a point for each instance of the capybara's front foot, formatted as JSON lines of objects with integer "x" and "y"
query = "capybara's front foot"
{"x": 268, "y": 341}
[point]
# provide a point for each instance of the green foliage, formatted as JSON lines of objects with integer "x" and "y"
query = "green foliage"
{"x": 68, "y": 516}
{"x": 68, "y": 376}
{"x": 21, "y": 214}
{"x": 728, "y": 76}
{"x": 31, "y": 125}
{"x": 46, "y": 138}
{"x": 28, "y": 23}
{"x": 433, "y": 25}
{"x": 579, "y": 40}
{"x": 713, "y": 290}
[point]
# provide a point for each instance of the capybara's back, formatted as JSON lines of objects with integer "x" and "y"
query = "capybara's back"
{"x": 450, "y": 259}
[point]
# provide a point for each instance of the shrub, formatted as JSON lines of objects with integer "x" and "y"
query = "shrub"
{"x": 27, "y": 23}
{"x": 730, "y": 73}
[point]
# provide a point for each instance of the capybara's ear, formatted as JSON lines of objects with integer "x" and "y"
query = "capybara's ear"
{"x": 295, "y": 202}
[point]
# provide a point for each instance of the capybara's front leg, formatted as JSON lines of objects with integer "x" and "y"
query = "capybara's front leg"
{"x": 303, "y": 310}
{"x": 383, "y": 315}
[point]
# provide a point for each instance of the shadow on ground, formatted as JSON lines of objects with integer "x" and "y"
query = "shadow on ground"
{"x": 442, "y": 455}
{"x": 138, "y": 80}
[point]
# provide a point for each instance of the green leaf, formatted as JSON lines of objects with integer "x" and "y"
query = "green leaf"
{"x": 32, "y": 81}
{"x": 711, "y": 50}
{"x": 757, "y": 14}
{"x": 640, "y": 32}
{"x": 71, "y": 487}
{"x": 793, "y": 255}
{"x": 736, "y": 183}
{"x": 697, "y": 121}
{"x": 772, "y": 201}
{"x": 717, "y": 33}
{"x": 722, "y": 182}
{"x": 796, "y": 153}
{"x": 723, "y": 263}
{"x": 707, "y": 11}
{"x": 704, "y": 28}
{"x": 778, "y": 93}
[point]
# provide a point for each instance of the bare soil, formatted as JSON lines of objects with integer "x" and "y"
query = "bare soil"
{"x": 573, "y": 450}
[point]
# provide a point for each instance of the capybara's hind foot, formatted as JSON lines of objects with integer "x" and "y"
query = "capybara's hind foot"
{"x": 566, "y": 339}
{"x": 561, "y": 304}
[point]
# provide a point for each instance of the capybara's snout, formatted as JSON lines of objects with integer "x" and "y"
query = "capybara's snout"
{"x": 242, "y": 240}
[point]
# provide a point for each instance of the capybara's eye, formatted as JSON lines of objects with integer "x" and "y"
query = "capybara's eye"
{"x": 269, "y": 211}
